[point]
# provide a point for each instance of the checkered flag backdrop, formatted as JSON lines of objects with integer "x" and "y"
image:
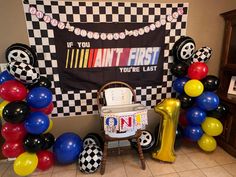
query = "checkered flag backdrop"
{"x": 41, "y": 38}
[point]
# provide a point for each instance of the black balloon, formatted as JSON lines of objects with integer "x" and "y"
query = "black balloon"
{"x": 42, "y": 82}
{"x": 33, "y": 143}
{"x": 179, "y": 137}
{"x": 15, "y": 112}
{"x": 49, "y": 140}
{"x": 179, "y": 69}
{"x": 219, "y": 112}
{"x": 211, "y": 83}
{"x": 186, "y": 101}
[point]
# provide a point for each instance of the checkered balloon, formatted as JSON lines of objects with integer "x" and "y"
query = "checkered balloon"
{"x": 201, "y": 55}
{"x": 90, "y": 159}
{"x": 23, "y": 72}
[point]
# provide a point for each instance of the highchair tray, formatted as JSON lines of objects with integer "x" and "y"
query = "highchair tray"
{"x": 122, "y": 108}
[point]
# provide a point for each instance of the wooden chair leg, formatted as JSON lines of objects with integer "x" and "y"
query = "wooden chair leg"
{"x": 141, "y": 157}
{"x": 104, "y": 158}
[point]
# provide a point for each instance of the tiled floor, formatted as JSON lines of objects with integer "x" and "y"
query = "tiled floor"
{"x": 190, "y": 162}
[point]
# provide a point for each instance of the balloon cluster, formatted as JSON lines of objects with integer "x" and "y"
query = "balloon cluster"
{"x": 201, "y": 107}
{"x": 27, "y": 102}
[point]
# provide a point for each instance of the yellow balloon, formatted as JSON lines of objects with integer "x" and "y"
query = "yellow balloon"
{"x": 193, "y": 88}
{"x": 2, "y": 106}
{"x": 212, "y": 126}
{"x": 169, "y": 109}
{"x": 49, "y": 127}
{"x": 25, "y": 164}
{"x": 207, "y": 143}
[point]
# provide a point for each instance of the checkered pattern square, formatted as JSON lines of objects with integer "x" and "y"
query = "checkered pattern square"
{"x": 41, "y": 38}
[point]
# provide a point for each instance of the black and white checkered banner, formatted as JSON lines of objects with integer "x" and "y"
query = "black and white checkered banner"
{"x": 47, "y": 19}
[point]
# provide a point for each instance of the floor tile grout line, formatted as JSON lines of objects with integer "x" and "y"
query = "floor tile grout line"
{"x": 192, "y": 152}
{"x": 204, "y": 167}
{"x": 193, "y": 143}
{"x": 193, "y": 170}
{"x": 196, "y": 165}
{"x": 160, "y": 175}
{"x": 77, "y": 169}
{"x": 210, "y": 166}
{"x": 44, "y": 172}
{"x": 124, "y": 166}
{"x": 9, "y": 166}
{"x": 192, "y": 161}
{"x": 213, "y": 167}
{"x": 173, "y": 167}
{"x": 147, "y": 166}
{"x": 227, "y": 171}
{"x": 61, "y": 166}
{"x": 52, "y": 172}
{"x": 123, "y": 161}
{"x": 228, "y": 163}
{"x": 149, "y": 169}
{"x": 163, "y": 162}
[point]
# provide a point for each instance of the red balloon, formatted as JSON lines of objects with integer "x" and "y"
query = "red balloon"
{"x": 197, "y": 70}
{"x": 13, "y": 90}
{"x": 182, "y": 119}
{"x": 45, "y": 160}
{"x": 11, "y": 149}
{"x": 13, "y": 132}
{"x": 47, "y": 110}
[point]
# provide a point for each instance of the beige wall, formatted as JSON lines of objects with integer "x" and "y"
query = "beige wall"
{"x": 205, "y": 26}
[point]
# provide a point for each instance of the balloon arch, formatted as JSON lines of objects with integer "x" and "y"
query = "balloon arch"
{"x": 27, "y": 102}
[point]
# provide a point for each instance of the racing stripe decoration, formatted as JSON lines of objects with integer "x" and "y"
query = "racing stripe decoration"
{"x": 82, "y": 45}
{"x": 93, "y": 58}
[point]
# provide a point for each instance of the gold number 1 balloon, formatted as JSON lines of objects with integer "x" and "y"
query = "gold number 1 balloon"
{"x": 169, "y": 109}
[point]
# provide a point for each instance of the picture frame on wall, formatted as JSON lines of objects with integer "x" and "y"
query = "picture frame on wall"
{"x": 232, "y": 86}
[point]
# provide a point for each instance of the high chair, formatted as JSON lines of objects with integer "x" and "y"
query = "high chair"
{"x": 122, "y": 118}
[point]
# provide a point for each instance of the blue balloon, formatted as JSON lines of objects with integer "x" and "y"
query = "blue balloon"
{"x": 208, "y": 101}
{"x": 193, "y": 132}
{"x": 37, "y": 123}
{"x": 195, "y": 115}
{"x": 179, "y": 83}
{"x": 67, "y": 148}
{"x": 5, "y": 76}
{"x": 39, "y": 97}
